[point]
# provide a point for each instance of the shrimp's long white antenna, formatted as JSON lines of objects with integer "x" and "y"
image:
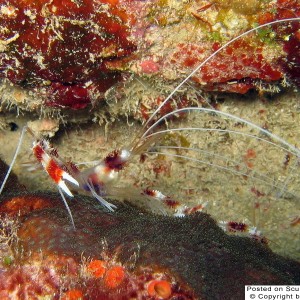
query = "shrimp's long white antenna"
{"x": 67, "y": 206}
{"x": 233, "y": 171}
{"x": 293, "y": 169}
{"x": 211, "y": 56}
{"x": 203, "y": 129}
{"x": 211, "y": 154}
{"x": 294, "y": 150}
{"x": 14, "y": 159}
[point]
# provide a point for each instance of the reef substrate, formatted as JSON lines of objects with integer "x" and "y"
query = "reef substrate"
{"x": 128, "y": 254}
{"x": 75, "y": 54}
{"x": 62, "y": 49}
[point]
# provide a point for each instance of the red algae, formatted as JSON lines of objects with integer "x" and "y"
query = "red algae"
{"x": 248, "y": 63}
{"x": 186, "y": 34}
{"x": 64, "y": 47}
{"x": 289, "y": 36}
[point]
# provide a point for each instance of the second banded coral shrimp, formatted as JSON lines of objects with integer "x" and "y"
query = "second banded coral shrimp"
{"x": 220, "y": 159}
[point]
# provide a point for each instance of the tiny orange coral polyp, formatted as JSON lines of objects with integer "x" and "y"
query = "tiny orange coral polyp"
{"x": 73, "y": 295}
{"x": 97, "y": 268}
{"x": 160, "y": 288}
{"x": 114, "y": 277}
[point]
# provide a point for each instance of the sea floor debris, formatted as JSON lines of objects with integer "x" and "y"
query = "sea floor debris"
{"x": 123, "y": 255}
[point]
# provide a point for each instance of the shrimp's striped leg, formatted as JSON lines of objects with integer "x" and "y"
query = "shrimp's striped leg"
{"x": 180, "y": 209}
{"x": 67, "y": 206}
{"x": 241, "y": 228}
{"x": 91, "y": 188}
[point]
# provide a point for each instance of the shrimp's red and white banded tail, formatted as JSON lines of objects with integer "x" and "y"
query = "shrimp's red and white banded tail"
{"x": 41, "y": 150}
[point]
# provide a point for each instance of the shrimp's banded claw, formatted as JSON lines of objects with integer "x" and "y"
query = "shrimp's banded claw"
{"x": 48, "y": 158}
{"x": 64, "y": 187}
{"x": 57, "y": 174}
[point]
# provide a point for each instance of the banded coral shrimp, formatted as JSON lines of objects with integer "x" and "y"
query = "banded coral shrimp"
{"x": 235, "y": 164}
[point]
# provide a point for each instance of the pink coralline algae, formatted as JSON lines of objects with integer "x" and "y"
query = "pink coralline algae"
{"x": 128, "y": 254}
{"x": 64, "y": 47}
{"x": 224, "y": 73}
{"x": 250, "y": 62}
{"x": 149, "y": 66}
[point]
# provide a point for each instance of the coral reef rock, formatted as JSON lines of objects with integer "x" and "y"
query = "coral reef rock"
{"x": 73, "y": 54}
{"x": 127, "y": 254}
{"x": 62, "y": 48}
